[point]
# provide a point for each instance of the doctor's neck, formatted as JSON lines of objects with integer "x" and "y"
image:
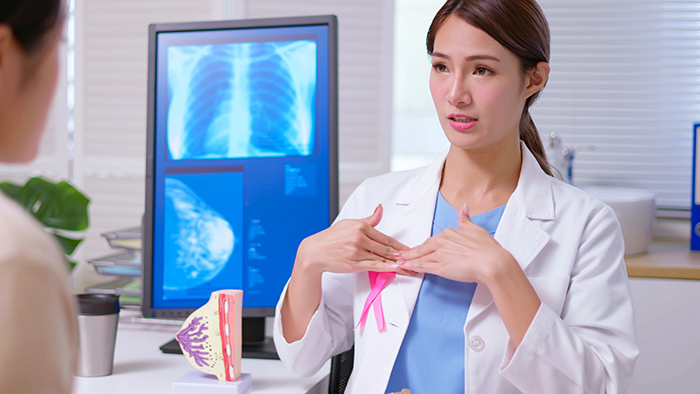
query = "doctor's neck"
{"x": 482, "y": 178}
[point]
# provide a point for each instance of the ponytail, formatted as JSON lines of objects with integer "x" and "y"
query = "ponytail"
{"x": 531, "y": 138}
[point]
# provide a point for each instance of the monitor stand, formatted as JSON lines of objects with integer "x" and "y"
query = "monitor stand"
{"x": 255, "y": 344}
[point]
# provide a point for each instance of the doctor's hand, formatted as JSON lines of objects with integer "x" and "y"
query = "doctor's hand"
{"x": 466, "y": 254}
{"x": 351, "y": 245}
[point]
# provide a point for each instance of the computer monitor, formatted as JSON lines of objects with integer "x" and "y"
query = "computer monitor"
{"x": 241, "y": 161}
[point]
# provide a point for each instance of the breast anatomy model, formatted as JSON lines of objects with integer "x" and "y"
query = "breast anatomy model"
{"x": 210, "y": 338}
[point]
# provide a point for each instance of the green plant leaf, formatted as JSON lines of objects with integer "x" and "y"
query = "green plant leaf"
{"x": 71, "y": 264}
{"x": 63, "y": 207}
{"x": 36, "y": 190}
{"x": 58, "y": 206}
{"x": 68, "y": 244}
{"x": 10, "y": 189}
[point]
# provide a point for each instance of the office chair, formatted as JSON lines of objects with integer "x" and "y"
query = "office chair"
{"x": 341, "y": 367}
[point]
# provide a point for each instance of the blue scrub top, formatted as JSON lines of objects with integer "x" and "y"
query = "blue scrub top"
{"x": 431, "y": 358}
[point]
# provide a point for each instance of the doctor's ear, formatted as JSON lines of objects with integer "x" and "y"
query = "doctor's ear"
{"x": 536, "y": 78}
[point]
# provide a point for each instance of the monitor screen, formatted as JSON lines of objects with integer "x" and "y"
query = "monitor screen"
{"x": 241, "y": 157}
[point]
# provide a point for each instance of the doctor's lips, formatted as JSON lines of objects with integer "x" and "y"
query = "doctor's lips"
{"x": 461, "y": 122}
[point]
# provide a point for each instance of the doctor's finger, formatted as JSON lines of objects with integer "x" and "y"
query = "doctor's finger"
{"x": 426, "y": 264}
{"x": 426, "y": 248}
{"x": 358, "y": 261}
{"x": 379, "y": 249}
{"x": 380, "y": 264}
{"x": 464, "y": 219}
{"x": 376, "y": 217}
{"x": 377, "y": 263}
{"x": 383, "y": 239}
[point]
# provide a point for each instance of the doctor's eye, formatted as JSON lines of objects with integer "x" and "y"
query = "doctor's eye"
{"x": 482, "y": 71}
{"x": 441, "y": 68}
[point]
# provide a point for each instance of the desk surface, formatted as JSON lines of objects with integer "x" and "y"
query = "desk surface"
{"x": 665, "y": 259}
{"x": 140, "y": 367}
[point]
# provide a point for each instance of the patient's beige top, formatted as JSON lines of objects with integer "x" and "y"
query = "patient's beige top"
{"x": 38, "y": 327}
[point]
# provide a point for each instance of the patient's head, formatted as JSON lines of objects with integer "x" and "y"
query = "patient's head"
{"x": 30, "y": 31}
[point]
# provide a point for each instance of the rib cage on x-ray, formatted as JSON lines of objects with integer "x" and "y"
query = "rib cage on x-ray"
{"x": 241, "y": 100}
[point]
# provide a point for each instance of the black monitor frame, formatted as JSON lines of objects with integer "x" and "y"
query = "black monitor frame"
{"x": 154, "y": 29}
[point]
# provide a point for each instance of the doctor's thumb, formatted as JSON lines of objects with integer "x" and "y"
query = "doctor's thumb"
{"x": 464, "y": 218}
{"x": 376, "y": 216}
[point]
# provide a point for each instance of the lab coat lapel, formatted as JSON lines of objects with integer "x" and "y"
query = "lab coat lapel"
{"x": 411, "y": 224}
{"x": 531, "y": 201}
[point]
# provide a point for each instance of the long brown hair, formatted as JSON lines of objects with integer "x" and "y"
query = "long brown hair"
{"x": 518, "y": 25}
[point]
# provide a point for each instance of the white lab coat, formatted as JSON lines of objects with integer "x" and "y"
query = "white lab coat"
{"x": 582, "y": 339}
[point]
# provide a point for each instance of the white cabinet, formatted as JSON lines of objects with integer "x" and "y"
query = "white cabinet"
{"x": 668, "y": 327}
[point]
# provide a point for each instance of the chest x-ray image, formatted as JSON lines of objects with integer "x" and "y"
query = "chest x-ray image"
{"x": 241, "y": 100}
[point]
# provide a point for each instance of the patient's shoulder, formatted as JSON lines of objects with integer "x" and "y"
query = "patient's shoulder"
{"x": 23, "y": 240}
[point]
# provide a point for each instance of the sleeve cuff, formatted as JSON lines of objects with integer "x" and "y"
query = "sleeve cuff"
{"x": 515, "y": 361}
{"x": 299, "y": 356}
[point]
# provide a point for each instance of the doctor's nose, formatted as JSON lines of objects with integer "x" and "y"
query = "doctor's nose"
{"x": 459, "y": 94}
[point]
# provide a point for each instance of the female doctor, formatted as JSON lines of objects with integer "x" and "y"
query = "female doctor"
{"x": 492, "y": 276}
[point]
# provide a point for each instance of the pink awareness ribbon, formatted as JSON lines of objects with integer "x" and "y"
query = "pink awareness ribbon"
{"x": 377, "y": 280}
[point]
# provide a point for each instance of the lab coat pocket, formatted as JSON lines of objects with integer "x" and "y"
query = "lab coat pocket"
{"x": 551, "y": 290}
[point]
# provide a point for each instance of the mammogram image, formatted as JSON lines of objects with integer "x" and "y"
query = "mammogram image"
{"x": 241, "y": 100}
{"x": 198, "y": 240}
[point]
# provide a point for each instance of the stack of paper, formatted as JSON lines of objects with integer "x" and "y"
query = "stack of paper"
{"x": 122, "y": 267}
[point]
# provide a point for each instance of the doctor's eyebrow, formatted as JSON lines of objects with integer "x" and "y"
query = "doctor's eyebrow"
{"x": 468, "y": 58}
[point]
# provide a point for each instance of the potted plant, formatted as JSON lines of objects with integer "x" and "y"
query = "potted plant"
{"x": 60, "y": 207}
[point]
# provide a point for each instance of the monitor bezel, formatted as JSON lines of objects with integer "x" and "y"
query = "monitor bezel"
{"x": 147, "y": 309}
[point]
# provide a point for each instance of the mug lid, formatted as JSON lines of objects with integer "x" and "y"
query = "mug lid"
{"x": 97, "y": 304}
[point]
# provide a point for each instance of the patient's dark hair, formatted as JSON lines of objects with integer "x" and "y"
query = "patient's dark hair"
{"x": 31, "y": 21}
{"x": 518, "y": 25}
